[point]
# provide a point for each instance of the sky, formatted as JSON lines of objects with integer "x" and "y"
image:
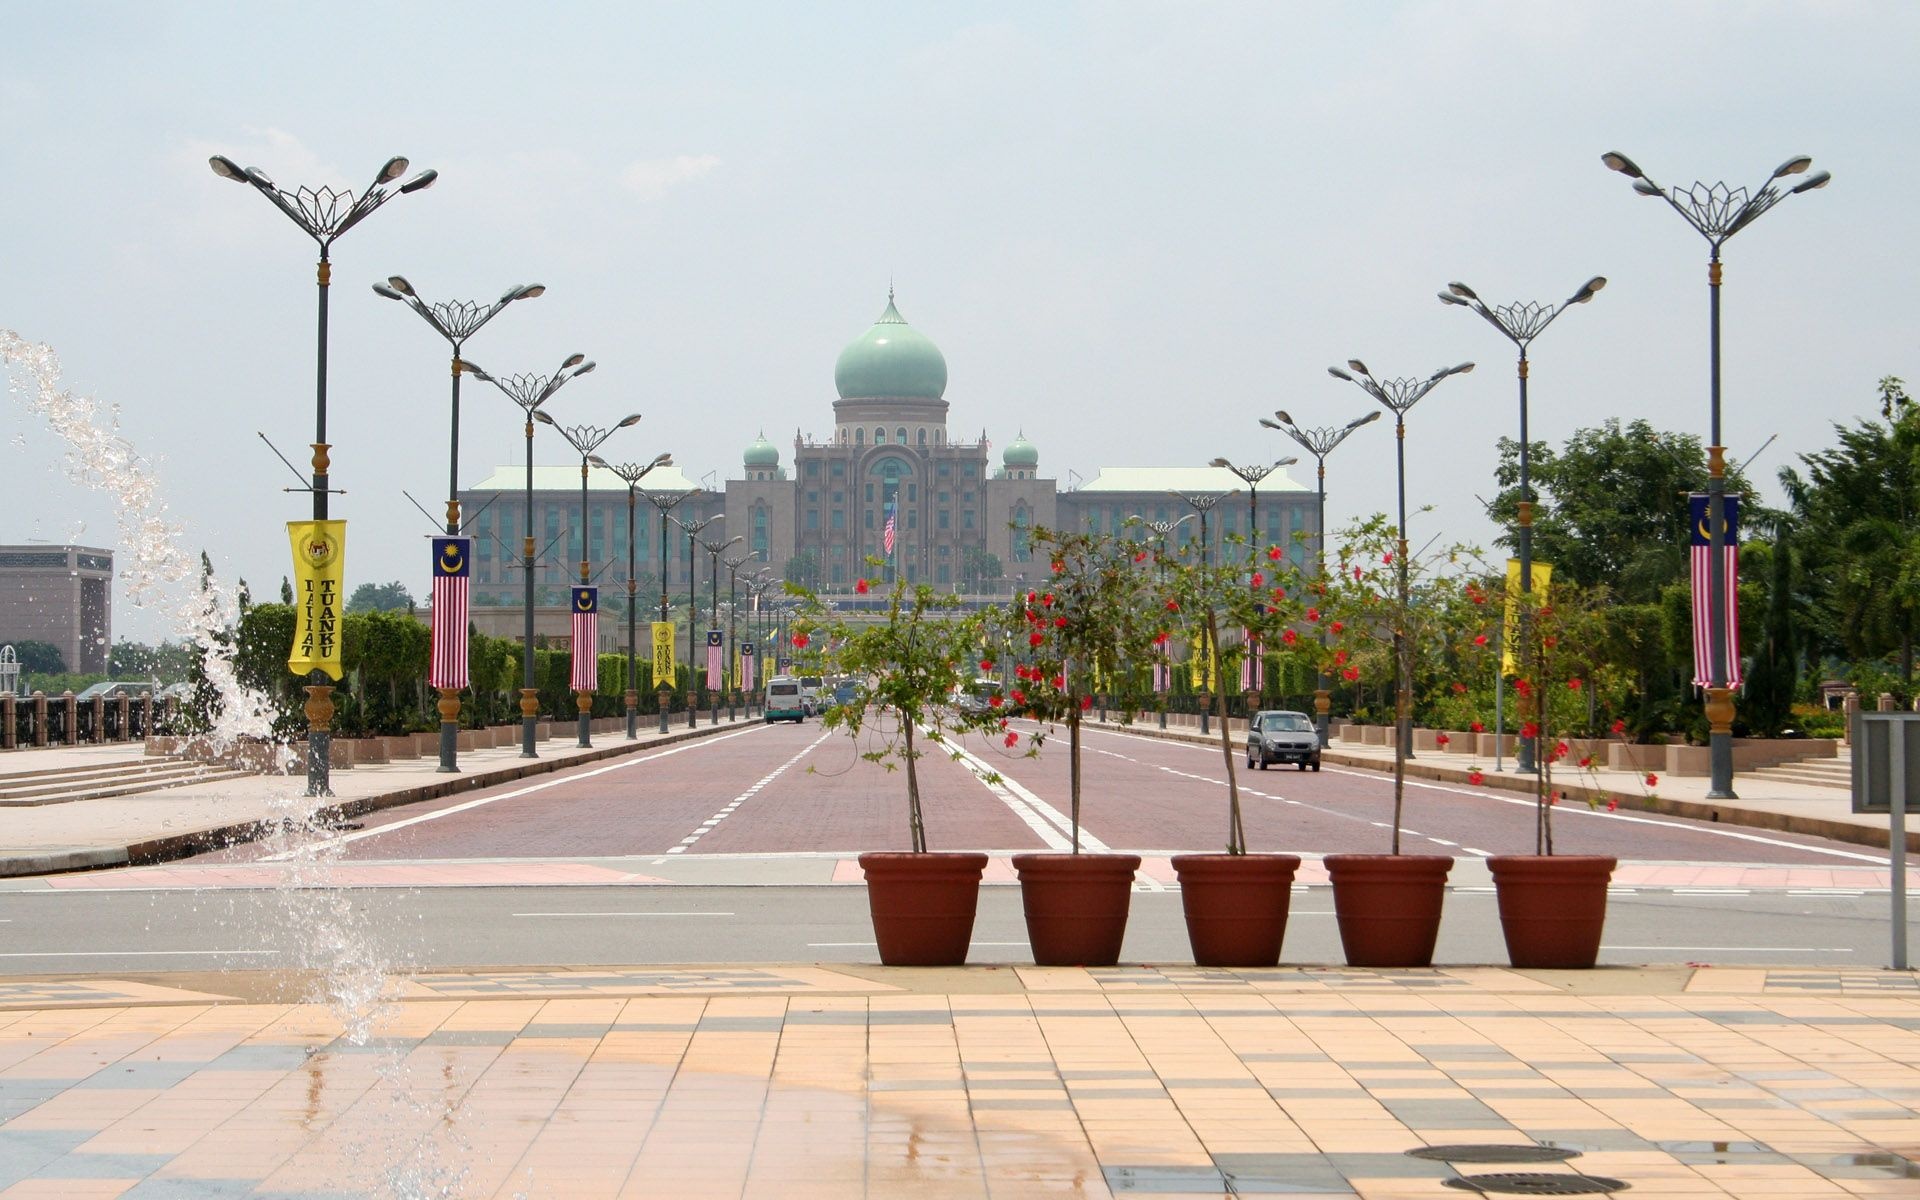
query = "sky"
{"x": 1132, "y": 228}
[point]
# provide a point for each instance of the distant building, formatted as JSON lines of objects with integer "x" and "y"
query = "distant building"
{"x": 958, "y": 520}
{"x": 61, "y": 595}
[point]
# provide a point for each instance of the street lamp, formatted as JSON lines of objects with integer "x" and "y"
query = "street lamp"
{"x": 586, "y": 439}
{"x": 733, "y": 580}
{"x": 715, "y": 547}
{"x": 666, "y": 502}
{"x": 1160, "y": 531}
{"x": 1203, "y": 503}
{"x": 455, "y": 321}
{"x": 693, "y": 530}
{"x": 1399, "y": 395}
{"x": 1717, "y": 213}
{"x": 1320, "y": 442}
{"x": 323, "y": 214}
{"x": 1520, "y": 324}
{"x": 633, "y": 473}
{"x": 1252, "y": 475}
{"x": 530, "y": 392}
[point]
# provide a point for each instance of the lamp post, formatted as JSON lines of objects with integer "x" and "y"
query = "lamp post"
{"x": 633, "y": 473}
{"x": 666, "y": 502}
{"x": 693, "y": 530}
{"x": 1160, "y": 531}
{"x": 1717, "y": 213}
{"x": 1520, "y": 324}
{"x": 323, "y": 214}
{"x": 456, "y": 321}
{"x": 1252, "y": 475}
{"x": 1320, "y": 442}
{"x": 733, "y": 581}
{"x": 586, "y": 439}
{"x": 1203, "y": 503}
{"x": 715, "y": 547}
{"x": 530, "y": 392}
{"x": 1399, "y": 395}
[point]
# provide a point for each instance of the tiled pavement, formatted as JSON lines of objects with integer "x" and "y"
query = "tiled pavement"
{"x": 801, "y": 1081}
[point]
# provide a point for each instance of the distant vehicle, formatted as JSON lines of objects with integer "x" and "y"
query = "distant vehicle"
{"x": 810, "y": 693}
{"x": 847, "y": 691}
{"x": 784, "y": 701}
{"x": 1275, "y": 735}
{"x": 977, "y": 696}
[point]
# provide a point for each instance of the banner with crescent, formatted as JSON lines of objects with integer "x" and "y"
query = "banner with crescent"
{"x": 586, "y": 638}
{"x": 663, "y": 644}
{"x": 1510, "y": 618}
{"x": 319, "y": 576}
{"x": 452, "y": 568}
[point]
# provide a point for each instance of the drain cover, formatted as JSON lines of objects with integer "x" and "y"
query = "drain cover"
{"x": 1523, "y": 1183}
{"x": 1494, "y": 1152}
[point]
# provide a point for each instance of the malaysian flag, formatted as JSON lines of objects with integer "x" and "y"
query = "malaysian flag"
{"x": 1253, "y": 669}
{"x": 586, "y": 639}
{"x": 716, "y": 655}
{"x": 451, "y": 567}
{"x": 1703, "y": 576}
{"x": 746, "y": 666}
{"x": 1162, "y": 670}
{"x": 886, "y": 539}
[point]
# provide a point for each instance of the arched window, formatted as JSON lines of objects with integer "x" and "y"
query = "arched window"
{"x": 901, "y": 435}
{"x": 859, "y": 437}
{"x": 939, "y": 437}
{"x": 879, "y": 436}
{"x": 923, "y": 436}
{"x": 1022, "y": 542}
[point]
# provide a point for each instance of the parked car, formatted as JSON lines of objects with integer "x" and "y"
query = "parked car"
{"x": 810, "y": 693}
{"x": 1276, "y": 735}
{"x": 847, "y": 691}
{"x": 976, "y": 696}
{"x": 784, "y": 701}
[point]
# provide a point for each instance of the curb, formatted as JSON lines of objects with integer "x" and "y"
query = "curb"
{"x": 222, "y": 836}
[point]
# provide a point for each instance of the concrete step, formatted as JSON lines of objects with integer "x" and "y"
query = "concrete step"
{"x": 119, "y": 768}
{"x": 97, "y": 786}
{"x": 1823, "y": 774}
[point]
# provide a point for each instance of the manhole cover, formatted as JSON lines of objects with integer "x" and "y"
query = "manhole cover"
{"x": 1523, "y": 1183}
{"x": 1494, "y": 1152}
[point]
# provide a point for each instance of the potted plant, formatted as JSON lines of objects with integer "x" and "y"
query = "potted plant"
{"x": 1082, "y": 625}
{"x": 1236, "y": 904}
{"x": 906, "y": 665}
{"x": 1553, "y": 906}
{"x": 1383, "y": 605}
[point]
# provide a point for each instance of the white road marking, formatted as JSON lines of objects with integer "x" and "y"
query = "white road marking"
{"x": 837, "y": 945}
{"x": 708, "y": 825}
{"x": 1705, "y": 891}
{"x": 121, "y": 953}
{"x": 1052, "y": 825}
{"x": 1745, "y": 949}
{"x": 543, "y": 785}
{"x": 1826, "y": 892}
{"x": 624, "y": 914}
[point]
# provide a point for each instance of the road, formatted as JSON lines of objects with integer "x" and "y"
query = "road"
{"x": 732, "y": 849}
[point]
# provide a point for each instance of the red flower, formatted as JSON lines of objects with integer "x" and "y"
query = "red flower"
{"x": 1337, "y": 626}
{"x": 1459, "y": 689}
{"x": 986, "y": 664}
{"x": 1652, "y": 779}
{"x": 1619, "y": 728}
{"x": 1140, "y": 556}
{"x": 1046, "y": 601}
{"x": 1441, "y": 739}
{"x": 1587, "y": 761}
{"x": 1173, "y": 606}
{"x": 1035, "y": 638}
{"x": 1523, "y": 687}
{"x": 1019, "y": 697}
{"x": 1313, "y": 614}
{"x": 800, "y": 641}
{"x": 1561, "y": 750}
{"x": 1259, "y": 580}
{"x": 1160, "y": 639}
{"x": 1357, "y": 572}
{"x": 1574, "y": 684}
{"x": 994, "y": 701}
{"x": 1530, "y": 730}
{"x": 1556, "y": 797}
{"x": 1033, "y": 597}
{"x": 1351, "y": 674}
{"x": 1550, "y": 641}
{"x": 1290, "y": 637}
{"x": 1476, "y": 778}
{"x": 1613, "y": 802}
{"x": 1477, "y": 727}
{"x": 1279, "y": 593}
{"x": 1480, "y": 640}
{"x": 1059, "y": 622}
{"x": 1059, "y": 683}
{"x": 1058, "y": 566}
{"x": 1387, "y": 558}
{"x": 1012, "y": 740}
{"x": 1339, "y": 657}
{"x": 860, "y": 587}
{"x": 1086, "y": 702}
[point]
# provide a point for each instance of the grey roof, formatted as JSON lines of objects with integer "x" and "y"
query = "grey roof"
{"x": 1182, "y": 479}
{"x": 562, "y": 479}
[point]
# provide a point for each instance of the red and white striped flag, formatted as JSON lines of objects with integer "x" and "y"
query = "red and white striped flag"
{"x": 716, "y": 655}
{"x": 586, "y": 639}
{"x": 746, "y": 666}
{"x": 451, "y": 570}
{"x": 1253, "y": 668}
{"x": 886, "y": 538}
{"x": 1162, "y": 672}
{"x": 1702, "y": 556}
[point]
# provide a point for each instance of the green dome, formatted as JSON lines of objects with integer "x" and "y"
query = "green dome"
{"x": 891, "y": 360}
{"x": 762, "y": 453}
{"x": 1021, "y": 453}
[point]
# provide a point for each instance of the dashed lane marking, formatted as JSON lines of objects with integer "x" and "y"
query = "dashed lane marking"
{"x": 708, "y": 825}
{"x": 558, "y": 779}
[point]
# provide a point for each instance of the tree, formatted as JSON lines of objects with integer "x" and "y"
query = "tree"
{"x": 803, "y": 570}
{"x": 39, "y": 658}
{"x": 1772, "y": 680}
{"x": 286, "y": 591}
{"x": 382, "y": 597}
{"x": 978, "y": 568}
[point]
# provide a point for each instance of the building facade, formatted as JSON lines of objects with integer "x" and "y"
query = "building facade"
{"x": 890, "y": 482}
{"x": 61, "y": 595}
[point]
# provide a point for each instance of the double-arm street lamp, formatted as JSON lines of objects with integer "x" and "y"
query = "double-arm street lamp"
{"x": 1252, "y": 474}
{"x": 1520, "y": 323}
{"x": 323, "y": 214}
{"x": 586, "y": 439}
{"x": 1717, "y": 212}
{"x": 1160, "y": 530}
{"x": 530, "y": 392}
{"x": 1320, "y": 442}
{"x": 733, "y": 666}
{"x": 456, "y": 321}
{"x": 715, "y": 547}
{"x": 1203, "y": 503}
{"x": 633, "y": 473}
{"x": 693, "y": 530}
{"x": 1399, "y": 395}
{"x": 666, "y": 502}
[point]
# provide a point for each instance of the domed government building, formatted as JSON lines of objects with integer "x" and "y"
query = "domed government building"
{"x": 960, "y": 516}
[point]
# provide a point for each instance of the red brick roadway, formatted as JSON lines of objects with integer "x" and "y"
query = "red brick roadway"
{"x": 794, "y": 789}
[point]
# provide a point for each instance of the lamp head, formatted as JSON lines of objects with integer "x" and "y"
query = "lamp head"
{"x": 1337, "y": 373}
{"x": 1221, "y": 462}
{"x": 1646, "y": 187}
{"x": 381, "y": 289}
{"x": 399, "y": 284}
{"x": 1369, "y": 419}
{"x": 1358, "y": 367}
{"x": 1450, "y": 298}
{"x": 629, "y": 419}
{"x": 1619, "y": 162}
{"x": 465, "y": 366}
{"x": 1587, "y": 289}
{"x": 1288, "y": 461}
{"x": 526, "y": 292}
{"x": 1797, "y": 165}
{"x": 1280, "y": 415}
{"x": 541, "y": 416}
{"x": 259, "y": 178}
{"x": 395, "y": 168}
{"x": 1818, "y": 179}
{"x": 419, "y": 182}
{"x": 1462, "y": 369}
{"x": 596, "y": 460}
{"x": 1462, "y": 290}
{"x": 573, "y": 360}
{"x": 586, "y": 367}
{"x": 226, "y": 168}
{"x": 660, "y": 460}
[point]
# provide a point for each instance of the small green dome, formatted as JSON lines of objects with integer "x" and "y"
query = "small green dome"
{"x": 1021, "y": 453}
{"x": 891, "y": 360}
{"x": 762, "y": 453}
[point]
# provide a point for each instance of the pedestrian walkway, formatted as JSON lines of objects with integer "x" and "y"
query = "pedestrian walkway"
{"x": 802, "y": 1082}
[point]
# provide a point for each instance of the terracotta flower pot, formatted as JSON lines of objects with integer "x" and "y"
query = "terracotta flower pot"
{"x": 1076, "y": 906}
{"x": 1388, "y": 906}
{"x": 1236, "y": 906}
{"x": 1552, "y": 906}
{"x": 923, "y": 906}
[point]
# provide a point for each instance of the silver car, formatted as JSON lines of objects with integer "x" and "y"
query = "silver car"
{"x": 1275, "y": 735}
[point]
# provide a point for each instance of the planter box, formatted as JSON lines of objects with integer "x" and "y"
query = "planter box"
{"x": 542, "y": 730}
{"x": 399, "y": 748}
{"x": 366, "y": 751}
{"x": 426, "y": 745}
{"x": 1426, "y": 739}
{"x": 1485, "y": 744}
{"x": 1463, "y": 743}
{"x": 1373, "y": 735}
{"x": 1631, "y": 756}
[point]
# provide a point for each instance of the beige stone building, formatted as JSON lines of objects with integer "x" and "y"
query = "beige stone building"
{"x": 61, "y": 595}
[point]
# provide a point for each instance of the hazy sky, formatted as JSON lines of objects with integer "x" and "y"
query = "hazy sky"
{"x": 1132, "y": 228}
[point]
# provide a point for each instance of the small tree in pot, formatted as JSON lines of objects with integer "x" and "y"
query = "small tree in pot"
{"x": 1086, "y": 623}
{"x": 906, "y": 666}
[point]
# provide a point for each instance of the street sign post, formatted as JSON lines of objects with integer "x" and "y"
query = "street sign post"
{"x": 1886, "y": 778}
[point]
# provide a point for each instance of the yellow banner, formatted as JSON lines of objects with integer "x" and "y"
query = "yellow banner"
{"x": 663, "y": 644}
{"x": 1200, "y": 662}
{"x": 1510, "y": 628}
{"x": 319, "y": 574}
